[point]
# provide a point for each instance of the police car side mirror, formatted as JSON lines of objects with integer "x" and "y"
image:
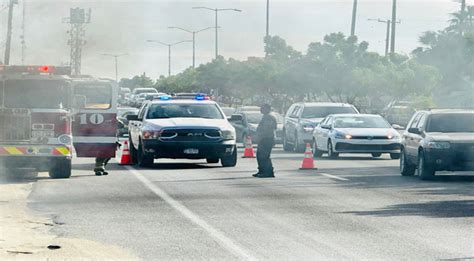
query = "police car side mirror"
{"x": 79, "y": 102}
{"x": 327, "y": 127}
{"x": 132, "y": 117}
{"x": 237, "y": 118}
{"x": 414, "y": 130}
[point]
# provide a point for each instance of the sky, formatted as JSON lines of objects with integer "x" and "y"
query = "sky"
{"x": 124, "y": 26}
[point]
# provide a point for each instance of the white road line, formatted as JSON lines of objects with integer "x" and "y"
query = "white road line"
{"x": 219, "y": 236}
{"x": 334, "y": 177}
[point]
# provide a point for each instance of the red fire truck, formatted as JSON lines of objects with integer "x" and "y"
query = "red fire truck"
{"x": 44, "y": 112}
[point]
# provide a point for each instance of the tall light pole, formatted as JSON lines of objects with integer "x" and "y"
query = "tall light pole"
{"x": 217, "y": 10}
{"x": 354, "y": 17}
{"x": 169, "y": 50}
{"x": 116, "y": 56}
{"x": 267, "y": 33}
{"x": 394, "y": 18}
{"x": 387, "y": 37}
{"x": 194, "y": 39}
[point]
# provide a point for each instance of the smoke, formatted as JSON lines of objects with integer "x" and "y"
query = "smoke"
{"x": 124, "y": 26}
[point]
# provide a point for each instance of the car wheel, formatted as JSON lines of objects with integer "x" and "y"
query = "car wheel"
{"x": 316, "y": 153}
{"x": 376, "y": 155}
{"x": 230, "y": 160}
{"x": 406, "y": 169}
{"x": 144, "y": 160}
{"x": 286, "y": 145}
{"x": 394, "y": 155}
{"x": 61, "y": 169}
{"x": 212, "y": 160}
{"x": 133, "y": 151}
{"x": 298, "y": 146}
{"x": 331, "y": 153}
{"x": 425, "y": 172}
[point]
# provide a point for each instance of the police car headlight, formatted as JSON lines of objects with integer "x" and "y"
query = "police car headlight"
{"x": 228, "y": 135}
{"x": 65, "y": 139}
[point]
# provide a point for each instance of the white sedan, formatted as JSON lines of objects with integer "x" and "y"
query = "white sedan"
{"x": 356, "y": 133}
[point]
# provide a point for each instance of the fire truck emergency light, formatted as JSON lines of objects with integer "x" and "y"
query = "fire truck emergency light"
{"x": 28, "y": 69}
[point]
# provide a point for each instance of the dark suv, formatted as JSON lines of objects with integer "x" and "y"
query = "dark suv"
{"x": 436, "y": 140}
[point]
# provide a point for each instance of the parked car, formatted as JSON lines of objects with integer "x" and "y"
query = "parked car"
{"x": 245, "y": 124}
{"x": 123, "y": 94}
{"x": 301, "y": 119}
{"x": 136, "y": 92}
{"x": 438, "y": 140}
{"x": 122, "y": 113}
{"x": 399, "y": 114}
{"x": 356, "y": 133}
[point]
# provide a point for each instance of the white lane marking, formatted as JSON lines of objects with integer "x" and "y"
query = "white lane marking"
{"x": 219, "y": 236}
{"x": 334, "y": 177}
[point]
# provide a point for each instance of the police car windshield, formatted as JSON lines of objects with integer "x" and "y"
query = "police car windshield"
{"x": 164, "y": 111}
{"x": 323, "y": 111}
{"x": 24, "y": 94}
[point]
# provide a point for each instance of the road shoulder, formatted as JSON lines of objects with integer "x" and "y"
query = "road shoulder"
{"x": 25, "y": 236}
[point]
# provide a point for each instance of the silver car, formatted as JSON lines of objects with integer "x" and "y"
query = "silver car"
{"x": 356, "y": 133}
{"x": 301, "y": 118}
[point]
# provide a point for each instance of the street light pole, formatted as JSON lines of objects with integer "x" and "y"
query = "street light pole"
{"x": 354, "y": 17}
{"x": 217, "y": 10}
{"x": 394, "y": 18}
{"x": 387, "y": 37}
{"x": 194, "y": 39}
{"x": 169, "y": 51}
{"x": 267, "y": 34}
{"x": 116, "y": 56}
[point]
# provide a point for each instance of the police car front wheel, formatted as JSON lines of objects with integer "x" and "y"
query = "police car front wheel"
{"x": 230, "y": 160}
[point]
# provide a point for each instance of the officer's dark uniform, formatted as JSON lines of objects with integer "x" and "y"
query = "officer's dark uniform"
{"x": 266, "y": 140}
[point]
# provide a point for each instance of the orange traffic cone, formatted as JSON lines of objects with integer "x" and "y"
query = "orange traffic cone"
{"x": 308, "y": 161}
{"x": 125, "y": 157}
{"x": 249, "y": 151}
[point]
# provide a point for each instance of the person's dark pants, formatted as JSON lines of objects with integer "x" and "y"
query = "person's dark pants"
{"x": 100, "y": 164}
{"x": 264, "y": 151}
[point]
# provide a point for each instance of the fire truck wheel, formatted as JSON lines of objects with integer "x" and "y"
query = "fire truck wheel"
{"x": 61, "y": 169}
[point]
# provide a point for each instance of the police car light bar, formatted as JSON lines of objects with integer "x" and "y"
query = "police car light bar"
{"x": 34, "y": 69}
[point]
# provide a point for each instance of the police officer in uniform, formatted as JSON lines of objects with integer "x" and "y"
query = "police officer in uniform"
{"x": 266, "y": 140}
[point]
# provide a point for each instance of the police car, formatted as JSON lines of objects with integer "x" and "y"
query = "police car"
{"x": 182, "y": 128}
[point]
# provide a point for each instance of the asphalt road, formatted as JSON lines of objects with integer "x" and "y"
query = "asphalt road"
{"x": 350, "y": 208}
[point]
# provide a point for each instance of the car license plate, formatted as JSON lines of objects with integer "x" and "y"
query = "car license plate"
{"x": 191, "y": 151}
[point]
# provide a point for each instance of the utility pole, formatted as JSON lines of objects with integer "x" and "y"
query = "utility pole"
{"x": 77, "y": 19}
{"x": 394, "y": 18}
{"x": 115, "y": 56}
{"x": 267, "y": 34}
{"x": 23, "y": 37}
{"x": 387, "y": 37}
{"x": 354, "y": 16}
{"x": 169, "y": 50}
{"x": 8, "y": 42}
{"x": 217, "y": 10}
{"x": 194, "y": 39}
